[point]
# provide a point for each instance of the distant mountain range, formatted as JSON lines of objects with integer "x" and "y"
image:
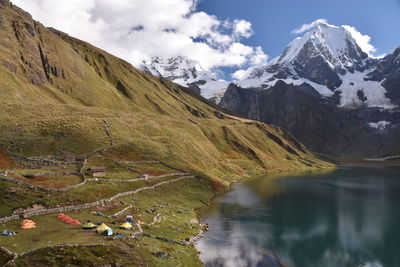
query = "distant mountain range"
{"x": 188, "y": 73}
{"x": 325, "y": 89}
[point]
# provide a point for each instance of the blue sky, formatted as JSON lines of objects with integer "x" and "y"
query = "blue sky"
{"x": 202, "y": 34}
{"x": 273, "y": 20}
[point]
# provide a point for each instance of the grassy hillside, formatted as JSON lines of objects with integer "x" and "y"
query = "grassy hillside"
{"x": 62, "y": 97}
{"x": 57, "y": 91}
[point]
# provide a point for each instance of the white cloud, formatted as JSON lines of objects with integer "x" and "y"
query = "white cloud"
{"x": 259, "y": 56}
{"x": 306, "y": 27}
{"x": 242, "y": 28}
{"x": 362, "y": 40}
{"x": 136, "y": 30}
{"x": 241, "y": 74}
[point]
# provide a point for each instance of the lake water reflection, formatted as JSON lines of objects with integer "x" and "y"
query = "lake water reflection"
{"x": 348, "y": 217}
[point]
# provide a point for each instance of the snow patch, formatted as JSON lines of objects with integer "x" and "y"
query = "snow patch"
{"x": 380, "y": 125}
{"x": 372, "y": 93}
{"x": 385, "y": 158}
{"x": 372, "y": 264}
{"x": 214, "y": 89}
{"x": 260, "y": 82}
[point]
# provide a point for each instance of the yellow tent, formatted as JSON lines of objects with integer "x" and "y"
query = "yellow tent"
{"x": 126, "y": 226}
{"x": 103, "y": 227}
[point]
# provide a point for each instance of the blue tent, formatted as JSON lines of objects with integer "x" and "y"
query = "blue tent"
{"x": 8, "y": 233}
{"x": 129, "y": 219}
{"x": 100, "y": 214}
{"x": 108, "y": 232}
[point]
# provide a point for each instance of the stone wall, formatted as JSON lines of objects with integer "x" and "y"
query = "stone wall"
{"x": 88, "y": 205}
{"x": 136, "y": 179}
{"x": 9, "y": 218}
{"x": 6, "y": 251}
{"x": 37, "y": 187}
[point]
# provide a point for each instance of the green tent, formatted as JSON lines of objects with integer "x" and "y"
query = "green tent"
{"x": 89, "y": 225}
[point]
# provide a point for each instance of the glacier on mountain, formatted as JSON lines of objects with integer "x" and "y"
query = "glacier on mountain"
{"x": 328, "y": 58}
{"x": 187, "y": 72}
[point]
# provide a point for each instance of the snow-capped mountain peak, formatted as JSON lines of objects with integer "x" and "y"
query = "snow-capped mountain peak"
{"x": 189, "y": 73}
{"x": 328, "y": 58}
{"x": 334, "y": 44}
{"x": 172, "y": 68}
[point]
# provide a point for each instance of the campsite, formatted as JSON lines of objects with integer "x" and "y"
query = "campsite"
{"x": 133, "y": 215}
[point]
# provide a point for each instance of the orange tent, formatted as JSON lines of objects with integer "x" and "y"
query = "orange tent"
{"x": 68, "y": 220}
{"x": 28, "y": 224}
{"x": 27, "y": 221}
{"x": 75, "y": 222}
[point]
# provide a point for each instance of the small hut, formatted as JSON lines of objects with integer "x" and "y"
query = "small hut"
{"x": 97, "y": 172}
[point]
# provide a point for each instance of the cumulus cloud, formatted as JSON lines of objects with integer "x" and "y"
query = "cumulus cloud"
{"x": 306, "y": 27}
{"x": 259, "y": 56}
{"x": 242, "y": 73}
{"x": 137, "y": 30}
{"x": 362, "y": 40}
{"x": 242, "y": 28}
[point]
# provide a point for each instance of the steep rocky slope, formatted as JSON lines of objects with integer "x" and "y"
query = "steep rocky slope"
{"x": 56, "y": 91}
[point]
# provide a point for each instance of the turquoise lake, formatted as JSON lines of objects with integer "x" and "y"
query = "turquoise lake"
{"x": 349, "y": 217}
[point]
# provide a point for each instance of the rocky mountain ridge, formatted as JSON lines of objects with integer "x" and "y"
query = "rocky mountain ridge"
{"x": 328, "y": 93}
{"x": 329, "y": 59}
